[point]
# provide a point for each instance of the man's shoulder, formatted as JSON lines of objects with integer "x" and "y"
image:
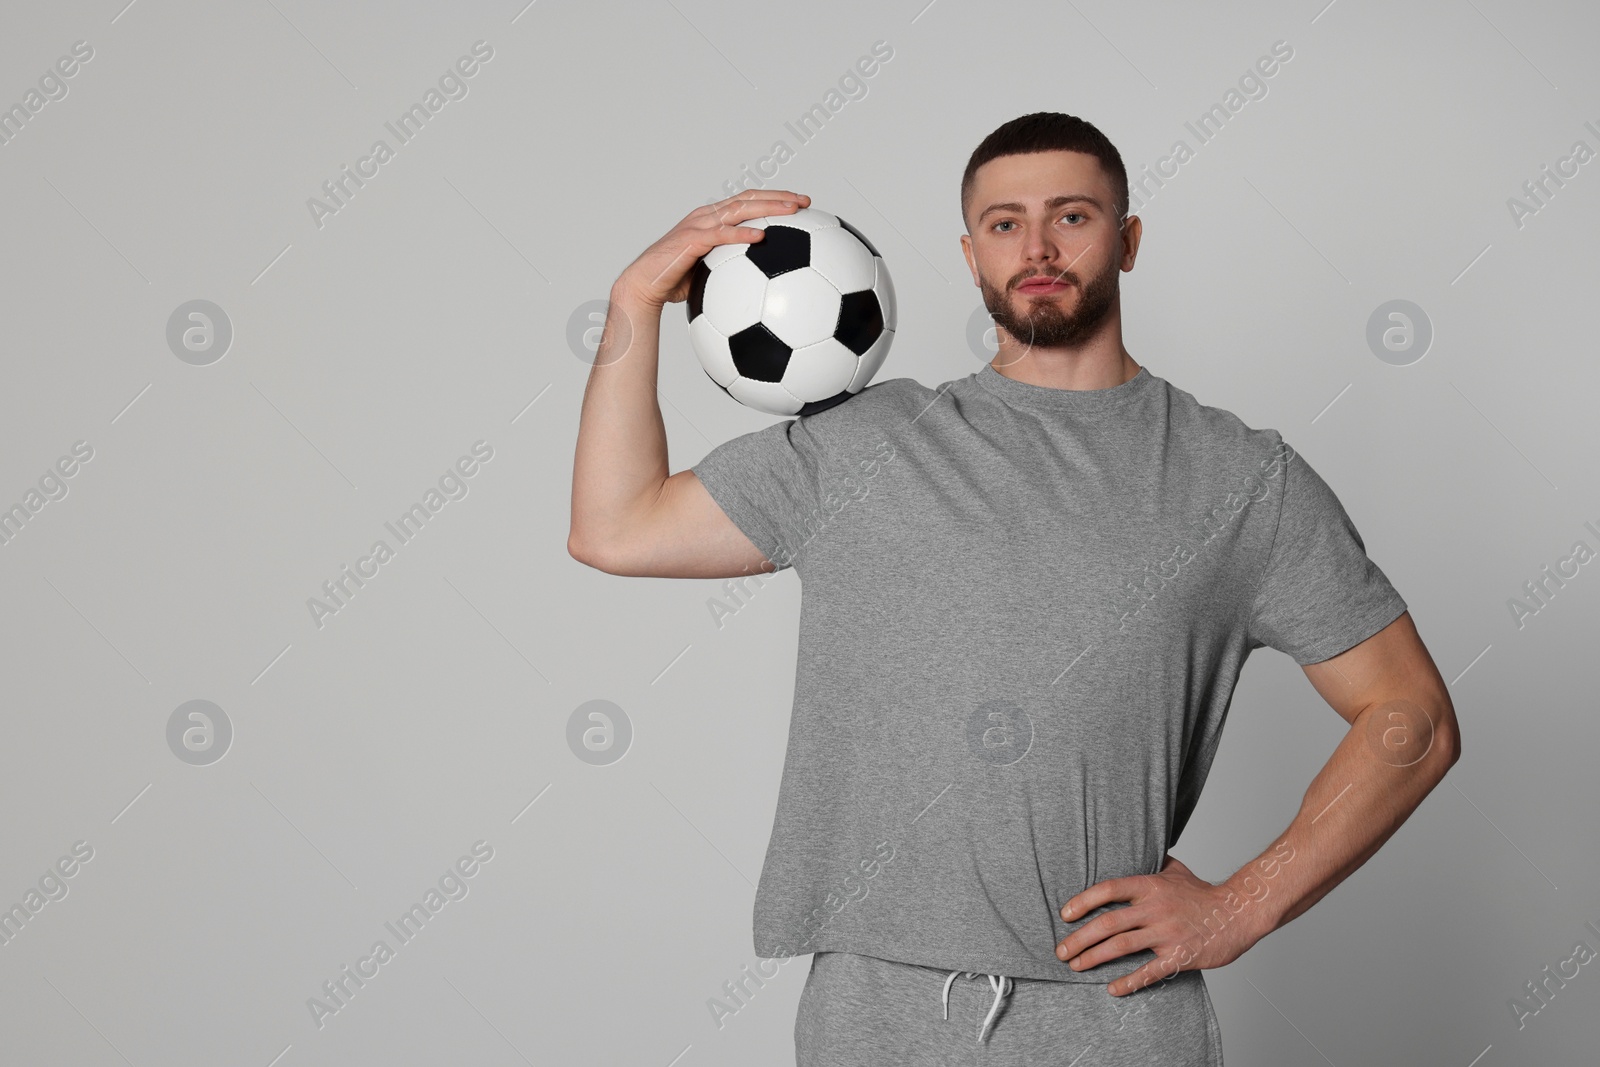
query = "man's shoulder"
{"x": 873, "y": 405}
{"x": 1216, "y": 426}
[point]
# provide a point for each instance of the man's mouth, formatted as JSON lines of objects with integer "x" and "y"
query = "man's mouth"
{"x": 1042, "y": 285}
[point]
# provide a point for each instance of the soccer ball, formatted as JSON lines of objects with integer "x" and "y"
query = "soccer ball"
{"x": 796, "y": 322}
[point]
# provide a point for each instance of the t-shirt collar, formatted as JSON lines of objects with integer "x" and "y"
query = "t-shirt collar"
{"x": 1017, "y": 392}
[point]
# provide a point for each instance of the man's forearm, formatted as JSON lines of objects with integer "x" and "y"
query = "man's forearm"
{"x": 1369, "y": 786}
{"x": 621, "y": 455}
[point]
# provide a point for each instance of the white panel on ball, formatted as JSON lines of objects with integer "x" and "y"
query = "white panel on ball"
{"x": 712, "y": 349}
{"x": 770, "y": 397}
{"x": 733, "y": 296}
{"x": 843, "y": 260}
{"x": 819, "y": 371}
{"x": 885, "y": 290}
{"x": 801, "y": 307}
{"x": 720, "y": 254}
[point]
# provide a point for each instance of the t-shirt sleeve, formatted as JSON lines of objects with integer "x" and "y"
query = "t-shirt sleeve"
{"x": 1319, "y": 594}
{"x": 768, "y": 482}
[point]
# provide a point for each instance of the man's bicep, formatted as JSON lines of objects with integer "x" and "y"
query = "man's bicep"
{"x": 686, "y": 534}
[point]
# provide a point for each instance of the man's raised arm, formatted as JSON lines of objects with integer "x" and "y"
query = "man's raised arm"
{"x": 628, "y": 515}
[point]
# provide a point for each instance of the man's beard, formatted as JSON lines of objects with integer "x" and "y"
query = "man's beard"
{"x": 1042, "y": 323}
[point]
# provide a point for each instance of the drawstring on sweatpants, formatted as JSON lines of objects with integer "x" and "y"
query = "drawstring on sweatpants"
{"x": 1002, "y": 986}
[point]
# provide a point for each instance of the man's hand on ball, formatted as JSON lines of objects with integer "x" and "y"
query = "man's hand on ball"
{"x": 1166, "y": 913}
{"x": 660, "y": 275}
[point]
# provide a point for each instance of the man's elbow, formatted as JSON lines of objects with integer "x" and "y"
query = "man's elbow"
{"x": 586, "y": 552}
{"x": 1453, "y": 743}
{"x": 609, "y": 555}
{"x": 1447, "y": 734}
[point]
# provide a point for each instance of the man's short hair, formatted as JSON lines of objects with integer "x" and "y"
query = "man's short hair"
{"x": 1049, "y": 131}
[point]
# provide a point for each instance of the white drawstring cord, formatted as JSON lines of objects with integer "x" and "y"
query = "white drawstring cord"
{"x": 1002, "y": 986}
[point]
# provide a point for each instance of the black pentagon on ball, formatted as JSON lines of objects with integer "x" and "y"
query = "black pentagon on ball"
{"x": 823, "y": 405}
{"x": 758, "y": 354}
{"x": 782, "y": 250}
{"x": 858, "y": 235}
{"x": 697, "y": 287}
{"x": 860, "y": 321}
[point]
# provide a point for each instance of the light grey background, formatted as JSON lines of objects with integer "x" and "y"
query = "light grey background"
{"x": 433, "y": 311}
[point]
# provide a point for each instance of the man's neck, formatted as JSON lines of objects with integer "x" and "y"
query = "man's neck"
{"x": 1061, "y": 368}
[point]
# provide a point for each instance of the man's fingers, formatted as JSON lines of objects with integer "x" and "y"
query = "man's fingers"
{"x": 1112, "y": 948}
{"x": 1148, "y": 975}
{"x": 1164, "y": 966}
{"x": 671, "y": 259}
{"x": 733, "y": 212}
{"x": 1100, "y": 893}
{"x": 764, "y": 194}
{"x": 747, "y": 207}
{"x": 752, "y": 203}
{"x": 1097, "y": 930}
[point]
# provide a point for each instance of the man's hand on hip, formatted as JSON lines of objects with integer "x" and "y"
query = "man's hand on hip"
{"x": 1188, "y": 922}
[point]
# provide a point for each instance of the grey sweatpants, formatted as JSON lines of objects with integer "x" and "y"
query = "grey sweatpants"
{"x": 860, "y": 1011}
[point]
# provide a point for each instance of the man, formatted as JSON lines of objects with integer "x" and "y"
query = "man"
{"x": 1027, "y": 596}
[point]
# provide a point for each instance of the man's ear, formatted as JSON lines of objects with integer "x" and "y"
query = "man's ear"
{"x": 966, "y": 252}
{"x": 1131, "y": 231}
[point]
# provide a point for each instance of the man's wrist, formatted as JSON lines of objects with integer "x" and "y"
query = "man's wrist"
{"x": 634, "y": 305}
{"x": 1260, "y": 902}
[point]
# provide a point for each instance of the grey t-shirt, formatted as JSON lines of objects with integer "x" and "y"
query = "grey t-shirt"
{"x": 1023, "y": 612}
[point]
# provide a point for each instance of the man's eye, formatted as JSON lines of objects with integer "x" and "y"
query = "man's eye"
{"x": 1008, "y": 222}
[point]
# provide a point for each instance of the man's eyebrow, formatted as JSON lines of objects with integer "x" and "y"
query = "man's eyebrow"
{"x": 1050, "y": 205}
